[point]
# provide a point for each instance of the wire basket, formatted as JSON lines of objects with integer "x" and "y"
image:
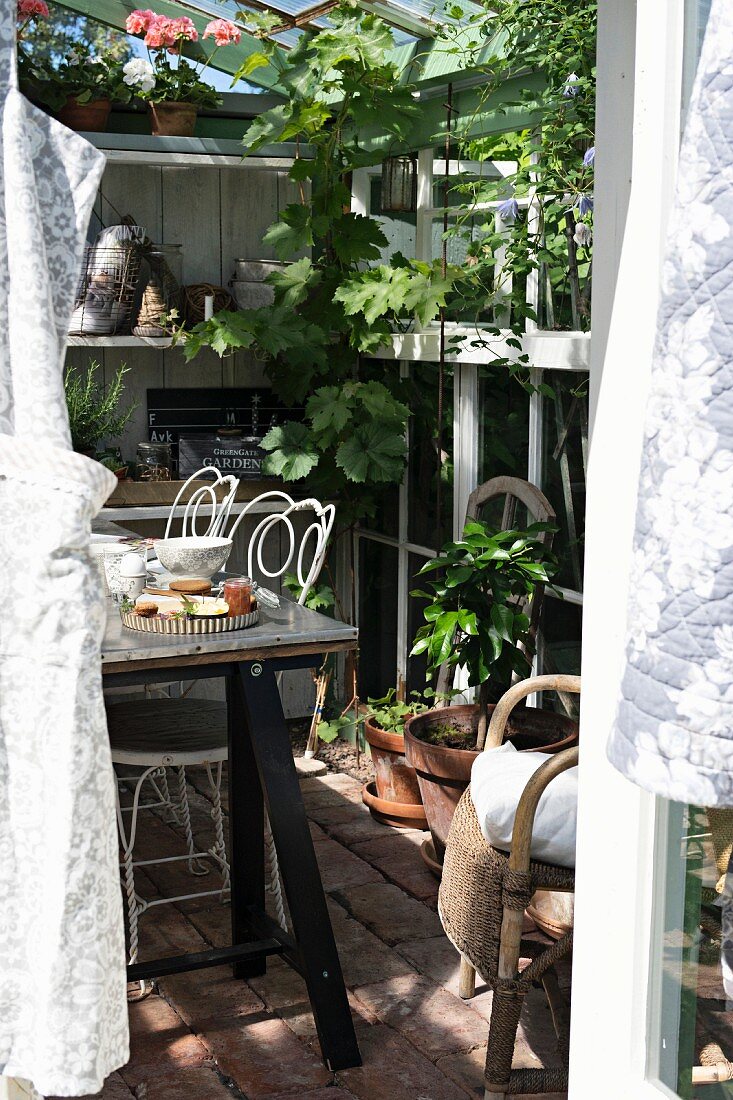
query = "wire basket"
{"x": 107, "y": 288}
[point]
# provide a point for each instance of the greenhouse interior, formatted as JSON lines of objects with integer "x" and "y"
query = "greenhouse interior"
{"x": 299, "y": 402}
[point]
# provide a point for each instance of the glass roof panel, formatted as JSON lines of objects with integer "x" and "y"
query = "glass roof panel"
{"x": 410, "y": 18}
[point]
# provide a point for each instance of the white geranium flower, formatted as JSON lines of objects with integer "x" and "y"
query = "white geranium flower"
{"x": 139, "y": 73}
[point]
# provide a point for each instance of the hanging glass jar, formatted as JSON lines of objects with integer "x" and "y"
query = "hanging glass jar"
{"x": 399, "y": 185}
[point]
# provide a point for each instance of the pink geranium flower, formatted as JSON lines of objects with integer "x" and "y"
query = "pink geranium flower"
{"x": 223, "y": 32}
{"x": 183, "y": 28}
{"x": 138, "y": 21}
{"x": 28, "y": 8}
{"x": 160, "y": 33}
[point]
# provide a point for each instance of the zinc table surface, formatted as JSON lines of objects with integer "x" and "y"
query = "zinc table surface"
{"x": 286, "y": 630}
{"x": 289, "y": 630}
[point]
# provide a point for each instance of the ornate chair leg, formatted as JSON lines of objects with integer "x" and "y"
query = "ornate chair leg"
{"x": 127, "y": 841}
{"x": 184, "y": 811}
{"x": 506, "y": 1009}
{"x": 274, "y": 875}
{"x": 466, "y": 980}
{"x": 220, "y": 850}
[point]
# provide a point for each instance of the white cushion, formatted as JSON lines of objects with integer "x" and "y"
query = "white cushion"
{"x": 498, "y": 778}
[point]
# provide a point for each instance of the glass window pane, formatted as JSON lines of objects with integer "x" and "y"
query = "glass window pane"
{"x": 503, "y": 431}
{"x": 398, "y": 228}
{"x": 423, "y": 526}
{"x": 377, "y": 618}
{"x": 565, "y": 443}
{"x": 415, "y": 665}
{"x": 694, "y": 1014}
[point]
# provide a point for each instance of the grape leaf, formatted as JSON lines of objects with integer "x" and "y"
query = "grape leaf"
{"x": 329, "y": 410}
{"x": 293, "y": 282}
{"x": 292, "y": 232}
{"x": 356, "y": 237}
{"x": 375, "y": 452}
{"x": 291, "y": 451}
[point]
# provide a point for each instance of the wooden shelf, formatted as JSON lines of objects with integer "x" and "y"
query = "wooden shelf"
{"x": 120, "y": 341}
{"x": 564, "y": 351}
{"x": 182, "y": 152}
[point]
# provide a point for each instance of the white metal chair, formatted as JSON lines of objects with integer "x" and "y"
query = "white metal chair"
{"x": 156, "y": 734}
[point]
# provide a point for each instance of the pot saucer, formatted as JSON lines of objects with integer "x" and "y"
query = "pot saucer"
{"x": 430, "y": 859}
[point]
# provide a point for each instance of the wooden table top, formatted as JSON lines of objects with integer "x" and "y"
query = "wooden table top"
{"x": 288, "y": 630}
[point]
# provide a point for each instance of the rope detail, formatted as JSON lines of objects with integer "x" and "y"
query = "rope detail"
{"x": 274, "y": 874}
{"x": 517, "y": 889}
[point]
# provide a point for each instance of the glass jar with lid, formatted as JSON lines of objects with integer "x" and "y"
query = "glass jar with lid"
{"x": 154, "y": 462}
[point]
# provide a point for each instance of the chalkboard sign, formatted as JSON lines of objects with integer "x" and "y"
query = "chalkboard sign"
{"x": 230, "y": 454}
{"x": 200, "y": 412}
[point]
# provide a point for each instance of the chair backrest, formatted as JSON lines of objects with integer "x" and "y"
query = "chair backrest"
{"x": 202, "y": 497}
{"x": 279, "y": 507}
{"x": 312, "y": 543}
{"x": 515, "y": 491}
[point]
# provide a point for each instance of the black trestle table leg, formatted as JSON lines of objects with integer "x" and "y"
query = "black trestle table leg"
{"x": 246, "y": 830}
{"x": 268, "y": 739}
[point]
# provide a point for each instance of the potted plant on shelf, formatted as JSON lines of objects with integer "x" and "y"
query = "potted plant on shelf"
{"x": 80, "y": 88}
{"x": 94, "y": 414}
{"x": 393, "y": 797}
{"x": 476, "y": 620}
{"x": 170, "y": 84}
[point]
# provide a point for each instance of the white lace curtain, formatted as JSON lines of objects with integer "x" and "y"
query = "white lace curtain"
{"x": 63, "y": 1012}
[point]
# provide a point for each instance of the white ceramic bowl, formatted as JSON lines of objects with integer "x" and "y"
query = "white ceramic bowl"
{"x": 193, "y": 557}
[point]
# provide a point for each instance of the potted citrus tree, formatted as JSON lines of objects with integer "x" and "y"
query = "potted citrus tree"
{"x": 477, "y": 619}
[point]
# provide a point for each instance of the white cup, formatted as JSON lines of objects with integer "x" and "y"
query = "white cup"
{"x": 133, "y": 575}
{"x": 113, "y": 556}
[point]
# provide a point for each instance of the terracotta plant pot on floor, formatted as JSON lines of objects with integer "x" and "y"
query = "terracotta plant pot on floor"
{"x": 169, "y": 119}
{"x": 92, "y": 115}
{"x": 394, "y": 796}
{"x": 444, "y": 773}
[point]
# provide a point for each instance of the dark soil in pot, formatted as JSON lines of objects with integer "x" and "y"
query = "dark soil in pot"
{"x": 437, "y": 746}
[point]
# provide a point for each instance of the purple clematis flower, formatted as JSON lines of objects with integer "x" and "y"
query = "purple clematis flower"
{"x": 590, "y": 156}
{"x": 509, "y": 209}
{"x": 584, "y": 204}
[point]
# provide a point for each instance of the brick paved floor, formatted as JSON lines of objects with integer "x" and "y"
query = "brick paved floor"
{"x": 207, "y": 1037}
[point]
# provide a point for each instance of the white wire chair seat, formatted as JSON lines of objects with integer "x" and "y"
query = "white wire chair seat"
{"x": 155, "y": 734}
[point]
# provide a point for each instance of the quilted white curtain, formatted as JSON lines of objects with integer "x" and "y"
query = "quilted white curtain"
{"x": 63, "y": 1012}
{"x": 674, "y": 732}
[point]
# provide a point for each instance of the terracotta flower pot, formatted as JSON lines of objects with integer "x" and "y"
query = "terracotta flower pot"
{"x": 397, "y": 794}
{"x": 93, "y": 115}
{"x": 444, "y": 773}
{"x": 169, "y": 119}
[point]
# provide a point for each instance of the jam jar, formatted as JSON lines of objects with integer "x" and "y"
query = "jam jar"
{"x": 239, "y": 594}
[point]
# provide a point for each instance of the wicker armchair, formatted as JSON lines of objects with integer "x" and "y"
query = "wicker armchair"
{"x": 483, "y": 895}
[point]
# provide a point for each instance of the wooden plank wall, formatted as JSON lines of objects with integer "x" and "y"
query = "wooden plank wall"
{"x": 218, "y": 215}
